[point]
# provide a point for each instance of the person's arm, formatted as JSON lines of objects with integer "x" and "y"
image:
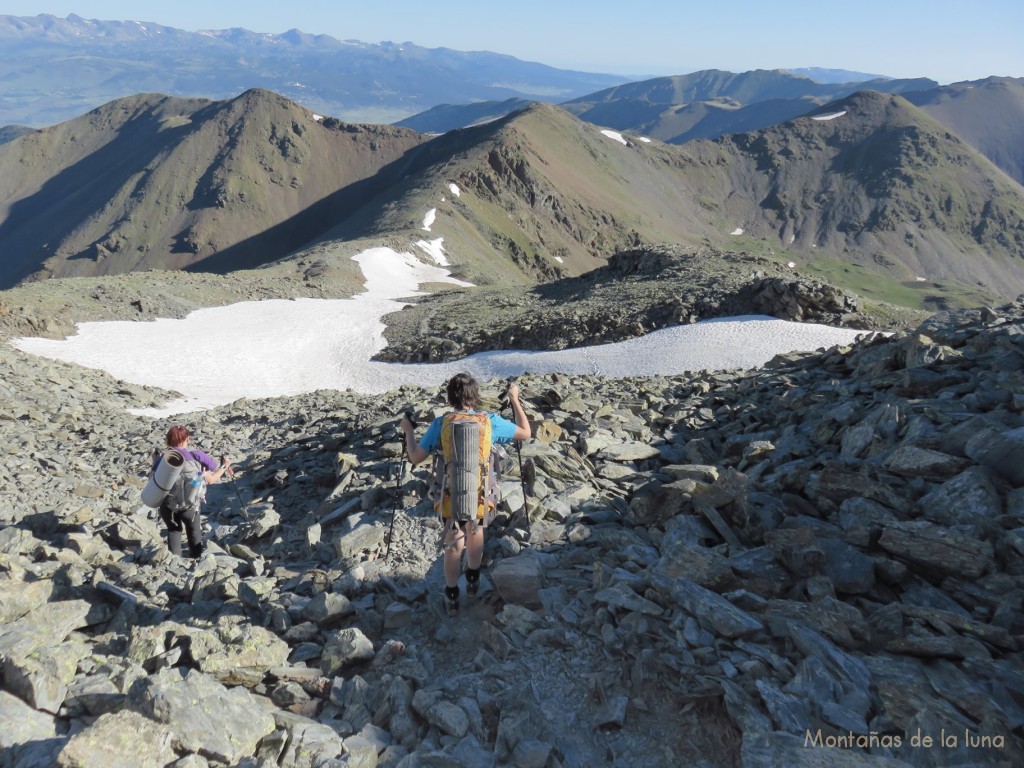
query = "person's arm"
{"x": 414, "y": 450}
{"x": 213, "y": 473}
{"x": 523, "y": 431}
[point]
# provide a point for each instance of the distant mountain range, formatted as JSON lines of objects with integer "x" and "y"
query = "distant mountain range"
{"x": 54, "y": 69}
{"x": 706, "y": 105}
{"x": 870, "y": 188}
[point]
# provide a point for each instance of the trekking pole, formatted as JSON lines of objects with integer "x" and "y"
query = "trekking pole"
{"x": 504, "y": 403}
{"x": 398, "y": 483}
{"x": 241, "y": 504}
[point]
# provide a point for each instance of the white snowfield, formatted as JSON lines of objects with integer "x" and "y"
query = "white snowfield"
{"x": 833, "y": 116}
{"x": 615, "y": 135}
{"x": 428, "y": 219}
{"x": 434, "y": 249}
{"x": 283, "y": 347}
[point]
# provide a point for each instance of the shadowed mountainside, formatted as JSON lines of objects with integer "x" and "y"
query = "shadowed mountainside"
{"x": 987, "y": 114}
{"x": 159, "y": 182}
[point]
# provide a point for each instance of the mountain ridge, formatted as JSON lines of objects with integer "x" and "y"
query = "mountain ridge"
{"x": 883, "y": 188}
{"x": 713, "y": 103}
{"x": 164, "y": 182}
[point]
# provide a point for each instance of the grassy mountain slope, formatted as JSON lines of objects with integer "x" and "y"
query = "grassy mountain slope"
{"x": 883, "y": 186}
{"x": 987, "y": 114}
{"x": 158, "y": 182}
{"x": 883, "y": 201}
{"x": 542, "y": 195}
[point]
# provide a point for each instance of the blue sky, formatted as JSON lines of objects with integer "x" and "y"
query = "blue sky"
{"x": 947, "y": 41}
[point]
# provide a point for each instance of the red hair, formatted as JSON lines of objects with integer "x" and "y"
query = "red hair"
{"x": 176, "y": 436}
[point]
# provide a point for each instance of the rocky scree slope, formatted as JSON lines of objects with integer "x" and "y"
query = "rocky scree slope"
{"x": 704, "y": 570}
{"x": 639, "y": 290}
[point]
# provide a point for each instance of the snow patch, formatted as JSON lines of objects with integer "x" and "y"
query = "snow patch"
{"x": 833, "y": 116}
{"x": 435, "y": 250}
{"x": 921, "y": 279}
{"x": 455, "y": 189}
{"x": 615, "y": 135}
{"x": 288, "y": 347}
{"x": 737, "y": 231}
{"x": 645, "y": 140}
{"x": 262, "y": 348}
{"x": 318, "y": 118}
{"x": 791, "y": 264}
{"x": 428, "y": 220}
{"x": 559, "y": 259}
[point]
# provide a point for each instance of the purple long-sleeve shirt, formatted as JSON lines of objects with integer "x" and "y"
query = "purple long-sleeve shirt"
{"x": 204, "y": 459}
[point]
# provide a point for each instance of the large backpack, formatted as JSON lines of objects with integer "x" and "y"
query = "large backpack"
{"x": 467, "y": 468}
{"x": 189, "y": 490}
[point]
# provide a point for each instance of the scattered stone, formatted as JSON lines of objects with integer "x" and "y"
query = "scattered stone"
{"x": 828, "y": 544}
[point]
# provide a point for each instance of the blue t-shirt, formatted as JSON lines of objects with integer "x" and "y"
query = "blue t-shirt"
{"x": 502, "y": 431}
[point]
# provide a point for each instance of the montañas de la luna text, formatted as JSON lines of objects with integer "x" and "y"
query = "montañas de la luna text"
{"x": 875, "y": 740}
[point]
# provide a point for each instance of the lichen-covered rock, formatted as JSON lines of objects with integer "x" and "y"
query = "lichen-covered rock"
{"x": 119, "y": 740}
{"x": 203, "y": 715}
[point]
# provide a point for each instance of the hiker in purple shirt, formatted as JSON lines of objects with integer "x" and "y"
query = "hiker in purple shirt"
{"x": 189, "y": 519}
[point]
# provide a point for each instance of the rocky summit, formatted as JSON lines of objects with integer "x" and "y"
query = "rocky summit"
{"x": 816, "y": 563}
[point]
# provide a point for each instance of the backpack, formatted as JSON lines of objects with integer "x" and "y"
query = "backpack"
{"x": 467, "y": 469}
{"x": 189, "y": 490}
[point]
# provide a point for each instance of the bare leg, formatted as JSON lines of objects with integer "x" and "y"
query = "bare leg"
{"x": 475, "y": 548}
{"x": 454, "y": 543}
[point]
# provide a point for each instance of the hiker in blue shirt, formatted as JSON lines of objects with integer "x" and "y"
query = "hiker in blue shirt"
{"x": 464, "y": 396}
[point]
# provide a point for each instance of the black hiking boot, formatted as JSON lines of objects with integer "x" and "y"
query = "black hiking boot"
{"x": 451, "y": 600}
{"x": 472, "y": 581}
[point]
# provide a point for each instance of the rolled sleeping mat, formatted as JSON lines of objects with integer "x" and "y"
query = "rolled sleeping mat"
{"x": 465, "y": 470}
{"x": 161, "y": 481}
